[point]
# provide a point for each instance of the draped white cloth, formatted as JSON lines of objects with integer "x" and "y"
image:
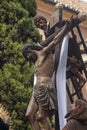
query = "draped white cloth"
{"x": 61, "y": 82}
{"x": 35, "y": 79}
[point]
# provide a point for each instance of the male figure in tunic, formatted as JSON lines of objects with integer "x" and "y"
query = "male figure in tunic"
{"x": 77, "y": 117}
{"x": 43, "y": 98}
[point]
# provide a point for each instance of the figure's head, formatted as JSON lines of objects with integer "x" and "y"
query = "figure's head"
{"x": 40, "y": 22}
{"x": 28, "y": 53}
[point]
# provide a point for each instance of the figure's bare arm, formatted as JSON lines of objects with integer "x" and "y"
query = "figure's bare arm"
{"x": 75, "y": 21}
{"x": 64, "y": 30}
{"x": 57, "y": 38}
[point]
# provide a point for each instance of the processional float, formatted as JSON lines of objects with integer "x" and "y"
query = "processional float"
{"x": 76, "y": 70}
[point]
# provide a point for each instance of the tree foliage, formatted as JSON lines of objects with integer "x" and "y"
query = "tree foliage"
{"x": 16, "y": 75}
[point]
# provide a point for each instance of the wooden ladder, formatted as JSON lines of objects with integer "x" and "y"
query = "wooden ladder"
{"x": 81, "y": 43}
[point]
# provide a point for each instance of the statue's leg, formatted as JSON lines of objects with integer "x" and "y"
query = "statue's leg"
{"x": 46, "y": 124}
{"x": 30, "y": 114}
{"x": 44, "y": 119}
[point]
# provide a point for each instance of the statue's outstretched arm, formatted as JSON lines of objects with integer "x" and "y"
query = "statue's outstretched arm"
{"x": 74, "y": 22}
{"x": 69, "y": 25}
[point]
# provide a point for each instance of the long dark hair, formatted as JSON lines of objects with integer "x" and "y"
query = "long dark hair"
{"x": 28, "y": 47}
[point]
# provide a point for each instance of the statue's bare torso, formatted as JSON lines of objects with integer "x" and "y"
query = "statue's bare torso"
{"x": 44, "y": 67}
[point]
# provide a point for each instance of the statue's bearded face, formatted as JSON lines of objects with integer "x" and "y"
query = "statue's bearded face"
{"x": 31, "y": 56}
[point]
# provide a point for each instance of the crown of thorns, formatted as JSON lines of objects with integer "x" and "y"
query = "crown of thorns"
{"x": 27, "y": 47}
